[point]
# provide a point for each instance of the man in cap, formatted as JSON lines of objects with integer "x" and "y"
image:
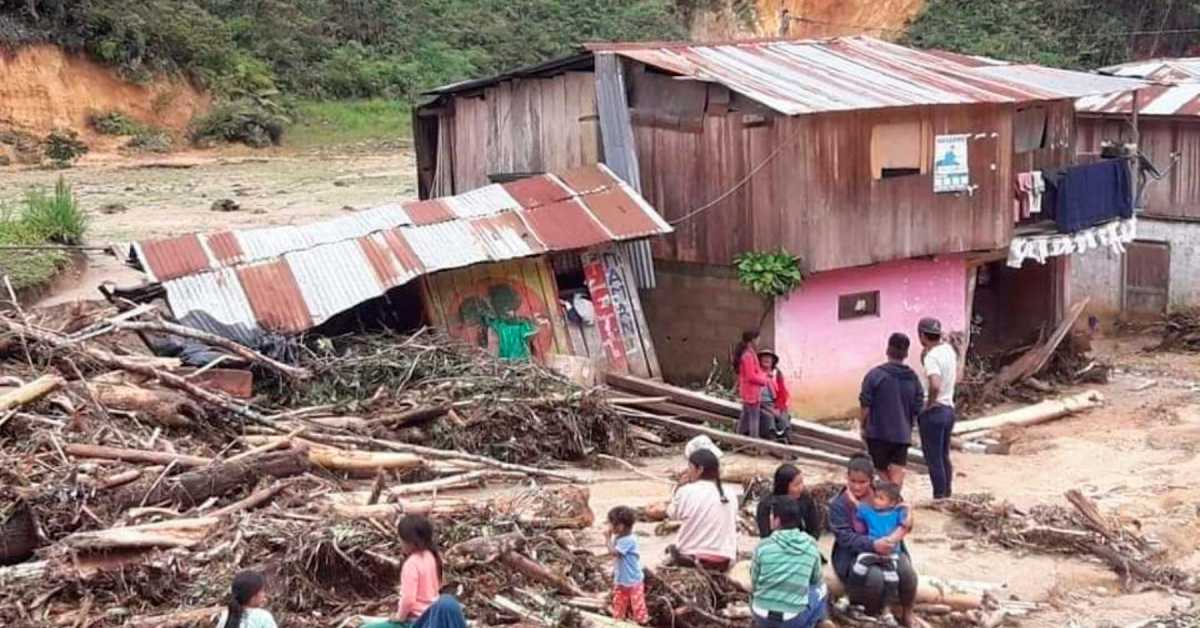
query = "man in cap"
{"x": 891, "y": 399}
{"x": 936, "y": 423}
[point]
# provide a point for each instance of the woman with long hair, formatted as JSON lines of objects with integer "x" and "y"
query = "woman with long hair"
{"x": 751, "y": 381}
{"x": 707, "y": 537}
{"x": 247, "y": 597}
{"x": 420, "y": 575}
{"x": 789, "y": 484}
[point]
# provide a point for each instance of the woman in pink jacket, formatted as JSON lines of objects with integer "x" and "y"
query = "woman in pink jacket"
{"x": 751, "y": 380}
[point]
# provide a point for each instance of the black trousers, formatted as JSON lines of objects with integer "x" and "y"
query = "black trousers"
{"x": 936, "y": 425}
{"x": 870, "y": 591}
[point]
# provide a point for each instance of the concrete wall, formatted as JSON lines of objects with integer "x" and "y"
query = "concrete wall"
{"x": 1097, "y": 274}
{"x": 825, "y": 359}
{"x": 696, "y": 314}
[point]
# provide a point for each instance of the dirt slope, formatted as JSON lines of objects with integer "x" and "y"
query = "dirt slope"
{"x": 821, "y": 18}
{"x": 44, "y": 88}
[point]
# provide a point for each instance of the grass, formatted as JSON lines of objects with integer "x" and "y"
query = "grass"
{"x": 40, "y": 217}
{"x": 330, "y": 123}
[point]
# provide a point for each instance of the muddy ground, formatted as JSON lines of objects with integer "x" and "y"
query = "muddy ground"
{"x": 1136, "y": 456}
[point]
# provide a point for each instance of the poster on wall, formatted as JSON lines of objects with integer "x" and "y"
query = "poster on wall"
{"x": 950, "y": 170}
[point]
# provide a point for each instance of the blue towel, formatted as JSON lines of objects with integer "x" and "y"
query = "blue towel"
{"x": 1093, "y": 194}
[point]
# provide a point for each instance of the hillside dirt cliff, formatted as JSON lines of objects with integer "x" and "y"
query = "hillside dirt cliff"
{"x": 885, "y": 19}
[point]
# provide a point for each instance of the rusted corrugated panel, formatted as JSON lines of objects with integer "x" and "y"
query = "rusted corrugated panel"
{"x": 401, "y": 250}
{"x": 217, "y": 294}
{"x": 169, "y": 258}
{"x": 269, "y": 242}
{"x": 389, "y": 271}
{"x": 333, "y": 278}
{"x": 428, "y": 212}
{"x": 1158, "y": 100}
{"x": 588, "y": 179}
{"x": 506, "y": 236}
{"x": 1180, "y": 70}
{"x": 566, "y": 225}
{"x": 485, "y": 201}
{"x": 224, "y": 247}
{"x": 445, "y": 245}
{"x": 275, "y": 297}
{"x": 851, "y": 73}
{"x": 621, "y": 215}
{"x": 537, "y": 191}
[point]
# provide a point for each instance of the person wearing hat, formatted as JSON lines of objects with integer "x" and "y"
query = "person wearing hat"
{"x": 936, "y": 422}
{"x": 775, "y": 419}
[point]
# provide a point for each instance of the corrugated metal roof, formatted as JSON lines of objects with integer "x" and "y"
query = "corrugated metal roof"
{"x": 290, "y": 278}
{"x": 852, "y": 73}
{"x": 1156, "y": 100}
{"x": 1178, "y": 70}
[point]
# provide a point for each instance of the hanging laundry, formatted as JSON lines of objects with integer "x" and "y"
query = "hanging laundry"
{"x": 1114, "y": 235}
{"x": 1035, "y": 194}
{"x": 1093, "y": 194}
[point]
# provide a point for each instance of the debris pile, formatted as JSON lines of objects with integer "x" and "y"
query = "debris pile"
{"x": 1081, "y": 530}
{"x": 1180, "y": 332}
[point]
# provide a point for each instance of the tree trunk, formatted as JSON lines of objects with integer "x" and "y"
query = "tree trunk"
{"x": 195, "y": 487}
{"x": 30, "y": 392}
{"x": 169, "y": 409}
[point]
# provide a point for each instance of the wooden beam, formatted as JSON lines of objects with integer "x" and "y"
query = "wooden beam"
{"x": 769, "y": 447}
{"x": 1048, "y": 410}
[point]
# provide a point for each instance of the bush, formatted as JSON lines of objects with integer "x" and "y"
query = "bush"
{"x": 250, "y": 121}
{"x": 56, "y": 217}
{"x": 114, "y": 123}
{"x": 63, "y": 147}
{"x": 151, "y": 141}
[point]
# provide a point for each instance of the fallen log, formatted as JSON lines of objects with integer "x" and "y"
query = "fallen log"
{"x": 350, "y": 461}
{"x": 18, "y": 534}
{"x": 30, "y": 392}
{"x": 193, "y": 488}
{"x": 415, "y": 416}
{"x": 769, "y": 447}
{"x": 178, "y": 619}
{"x": 166, "y": 408}
{"x": 252, "y": 500}
{"x": 134, "y": 455}
{"x": 1043, "y": 412}
{"x": 508, "y": 548}
{"x": 929, "y": 590}
{"x": 164, "y": 534}
{"x": 439, "y": 508}
{"x": 1036, "y": 358}
{"x": 466, "y": 480}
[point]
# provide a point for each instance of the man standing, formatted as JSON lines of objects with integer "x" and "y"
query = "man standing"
{"x": 937, "y": 421}
{"x": 891, "y": 399}
{"x": 787, "y": 589}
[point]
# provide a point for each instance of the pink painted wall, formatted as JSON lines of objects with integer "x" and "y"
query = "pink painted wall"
{"x": 825, "y": 359}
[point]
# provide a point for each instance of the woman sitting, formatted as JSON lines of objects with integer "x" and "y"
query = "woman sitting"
{"x": 868, "y": 589}
{"x": 708, "y": 536}
{"x": 789, "y": 483}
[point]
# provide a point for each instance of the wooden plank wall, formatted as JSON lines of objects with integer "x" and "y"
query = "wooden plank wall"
{"x": 817, "y": 196}
{"x": 1059, "y": 148}
{"x": 525, "y": 125}
{"x": 1178, "y": 195}
{"x": 530, "y": 278}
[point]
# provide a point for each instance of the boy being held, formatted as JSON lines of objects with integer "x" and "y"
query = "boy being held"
{"x": 886, "y": 517}
{"x": 629, "y": 593}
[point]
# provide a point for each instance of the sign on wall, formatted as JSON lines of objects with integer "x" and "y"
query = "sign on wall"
{"x": 950, "y": 170}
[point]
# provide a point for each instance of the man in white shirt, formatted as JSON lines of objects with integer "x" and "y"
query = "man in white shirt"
{"x": 936, "y": 423}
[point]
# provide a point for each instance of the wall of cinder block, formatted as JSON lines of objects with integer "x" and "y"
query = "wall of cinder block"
{"x": 697, "y": 313}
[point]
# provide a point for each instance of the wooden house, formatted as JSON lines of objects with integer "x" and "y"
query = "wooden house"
{"x": 889, "y": 171}
{"x": 1161, "y": 269}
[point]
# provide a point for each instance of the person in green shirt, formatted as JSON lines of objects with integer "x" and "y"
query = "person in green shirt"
{"x": 787, "y": 588}
{"x": 513, "y": 336}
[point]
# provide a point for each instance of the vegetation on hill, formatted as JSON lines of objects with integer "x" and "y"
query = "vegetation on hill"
{"x": 1078, "y": 34}
{"x": 41, "y": 217}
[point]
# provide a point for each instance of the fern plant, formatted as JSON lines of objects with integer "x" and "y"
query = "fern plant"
{"x": 770, "y": 275}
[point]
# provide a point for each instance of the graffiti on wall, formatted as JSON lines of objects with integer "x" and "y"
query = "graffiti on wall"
{"x": 613, "y": 303}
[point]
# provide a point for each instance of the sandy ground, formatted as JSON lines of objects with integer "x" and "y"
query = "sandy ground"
{"x": 1136, "y": 456}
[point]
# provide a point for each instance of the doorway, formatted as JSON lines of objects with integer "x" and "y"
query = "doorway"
{"x": 1146, "y": 279}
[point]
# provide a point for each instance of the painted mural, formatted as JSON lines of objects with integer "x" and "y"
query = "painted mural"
{"x": 510, "y": 308}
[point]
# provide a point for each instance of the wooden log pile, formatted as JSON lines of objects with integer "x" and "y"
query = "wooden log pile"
{"x": 1180, "y": 331}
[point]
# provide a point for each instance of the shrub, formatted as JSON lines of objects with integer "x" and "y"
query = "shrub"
{"x": 114, "y": 123}
{"x": 151, "y": 141}
{"x": 250, "y": 121}
{"x": 63, "y": 147}
{"x": 55, "y": 216}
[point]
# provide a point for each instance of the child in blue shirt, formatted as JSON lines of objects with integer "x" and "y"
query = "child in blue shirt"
{"x": 886, "y": 517}
{"x": 629, "y": 592}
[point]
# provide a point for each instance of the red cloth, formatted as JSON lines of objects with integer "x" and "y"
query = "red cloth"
{"x": 751, "y": 377}
{"x": 630, "y": 601}
{"x": 781, "y": 392}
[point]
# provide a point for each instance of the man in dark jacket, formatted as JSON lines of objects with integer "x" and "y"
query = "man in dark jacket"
{"x": 891, "y": 399}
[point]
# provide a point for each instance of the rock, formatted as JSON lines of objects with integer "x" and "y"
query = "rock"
{"x": 226, "y": 205}
{"x": 113, "y": 208}
{"x": 348, "y": 208}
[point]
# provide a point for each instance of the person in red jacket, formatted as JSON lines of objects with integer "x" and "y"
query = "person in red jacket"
{"x": 751, "y": 381}
{"x": 775, "y": 398}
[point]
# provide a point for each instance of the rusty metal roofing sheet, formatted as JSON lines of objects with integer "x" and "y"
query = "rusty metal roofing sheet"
{"x": 172, "y": 257}
{"x": 274, "y": 296}
{"x": 290, "y": 278}
{"x": 333, "y": 277}
{"x": 566, "y": 225}
{"x": 849, "y": 73}
{"x": 444, "y": 245}
{"x": 537, "y": 191}
{"x": 485, "y": 201}
{"x": 1177, "y": 70}
{"x": 1156, "y": 100}
{"x": 219, "y": 294}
